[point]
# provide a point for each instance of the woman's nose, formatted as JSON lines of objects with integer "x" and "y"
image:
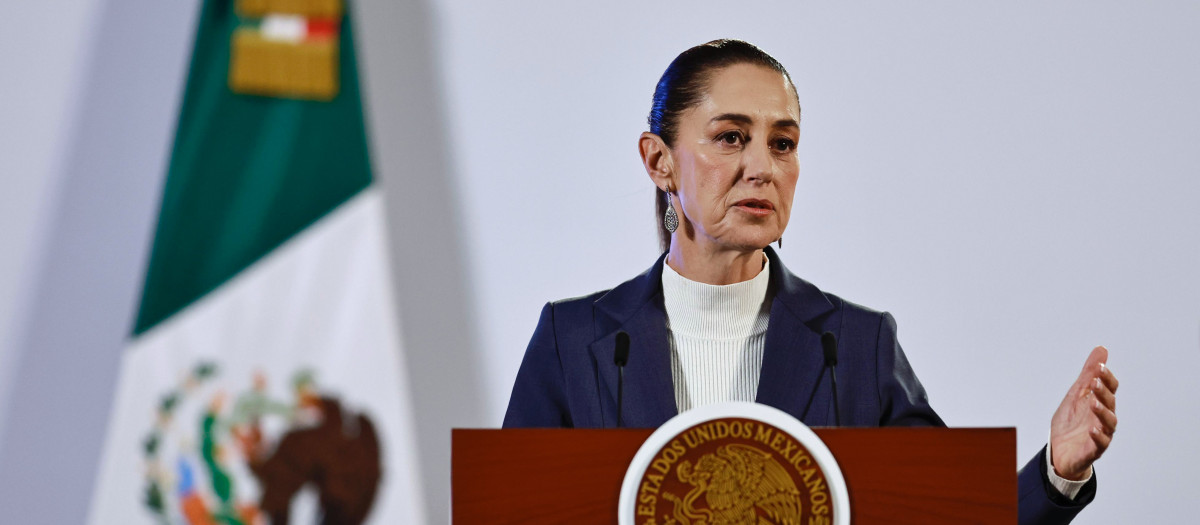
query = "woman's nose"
{"x": 758, "y": 166}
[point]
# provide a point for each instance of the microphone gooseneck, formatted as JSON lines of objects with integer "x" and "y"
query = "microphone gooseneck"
{"x": 829, "y": 344}
{"x": 620, "y": 358}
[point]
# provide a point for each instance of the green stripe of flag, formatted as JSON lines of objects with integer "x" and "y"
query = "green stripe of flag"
{"x": 246, "y": 172}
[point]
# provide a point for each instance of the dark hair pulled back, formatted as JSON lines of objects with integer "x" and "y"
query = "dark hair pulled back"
{"x": 682, "y": 86}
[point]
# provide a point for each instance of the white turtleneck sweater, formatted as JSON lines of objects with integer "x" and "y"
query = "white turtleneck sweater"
{"x": 717, "y": 335}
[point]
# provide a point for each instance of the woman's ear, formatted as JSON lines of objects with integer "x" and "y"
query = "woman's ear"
{"x": 656, "y": 157}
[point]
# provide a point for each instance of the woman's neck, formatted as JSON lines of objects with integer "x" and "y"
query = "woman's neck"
{"x": 714, "y": 267}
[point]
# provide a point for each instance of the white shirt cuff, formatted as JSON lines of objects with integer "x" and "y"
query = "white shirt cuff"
{"x": 1064, "y": 486}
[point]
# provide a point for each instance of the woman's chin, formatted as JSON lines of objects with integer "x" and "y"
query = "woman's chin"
{"x": 743, "y": 238}
{"x": 752, "y": 243}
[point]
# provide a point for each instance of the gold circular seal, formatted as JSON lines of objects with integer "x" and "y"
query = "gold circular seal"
{"x": 734, "y": 467}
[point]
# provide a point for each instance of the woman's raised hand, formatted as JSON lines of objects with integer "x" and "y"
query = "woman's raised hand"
{"x": 1084, "y": 423}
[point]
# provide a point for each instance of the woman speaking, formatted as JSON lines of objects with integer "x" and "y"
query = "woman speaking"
{"x": 719, "y": 318}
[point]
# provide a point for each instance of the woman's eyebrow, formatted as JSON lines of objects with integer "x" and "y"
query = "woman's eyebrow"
{"x": 733, "y": 117}
{"x": 746, "y": 120}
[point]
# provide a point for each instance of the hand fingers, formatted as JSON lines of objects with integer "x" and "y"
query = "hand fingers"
{"x": 1108, "y": 377}
{"x": 1106, "y": 396}
{"x": 1101, "y": 440}
{"x": 1098, "y": 356}
{"x": 1095, "y": 366}
{"x": 1108, "y": 418}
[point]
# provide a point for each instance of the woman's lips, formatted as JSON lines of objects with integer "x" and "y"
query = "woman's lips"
{"x": 755, "y": 207}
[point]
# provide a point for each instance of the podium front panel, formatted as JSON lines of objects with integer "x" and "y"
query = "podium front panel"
{"x": 894, "y": 475}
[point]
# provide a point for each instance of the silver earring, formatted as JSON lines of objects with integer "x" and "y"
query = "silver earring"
{"x": 670, "y": 218}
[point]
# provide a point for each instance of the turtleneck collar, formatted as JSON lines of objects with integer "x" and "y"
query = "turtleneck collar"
{"x": 716, "y": 312}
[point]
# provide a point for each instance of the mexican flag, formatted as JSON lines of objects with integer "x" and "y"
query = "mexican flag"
{"x": 263, "y": 381}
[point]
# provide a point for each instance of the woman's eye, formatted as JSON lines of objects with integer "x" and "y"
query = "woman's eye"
{"x": 731, "y": 138}
{"x": 785, "y": 145}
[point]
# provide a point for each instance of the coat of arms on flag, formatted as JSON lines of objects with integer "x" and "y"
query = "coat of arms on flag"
{"x": 243, "y": 458}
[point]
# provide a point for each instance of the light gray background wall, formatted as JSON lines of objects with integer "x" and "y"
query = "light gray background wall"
{"x": 1015, "y": 182}
{"x": 37, "y": 104}
{"x": 105, "y": 168}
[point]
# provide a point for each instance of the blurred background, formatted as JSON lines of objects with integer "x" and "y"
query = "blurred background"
{"x": 1015, "y": 182}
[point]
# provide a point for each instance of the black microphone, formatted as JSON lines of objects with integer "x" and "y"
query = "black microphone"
{"x": 829, "y": 344}
{"x": 620, "y": 357}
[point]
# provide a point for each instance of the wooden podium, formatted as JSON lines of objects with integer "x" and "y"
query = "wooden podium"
{"x": 894, "y": 475}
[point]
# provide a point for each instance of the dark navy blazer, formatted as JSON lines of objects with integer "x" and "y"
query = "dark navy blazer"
{"x": 567, "y": 378}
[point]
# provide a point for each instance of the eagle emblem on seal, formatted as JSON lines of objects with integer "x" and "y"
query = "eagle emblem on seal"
{"x": 737, "y": 485}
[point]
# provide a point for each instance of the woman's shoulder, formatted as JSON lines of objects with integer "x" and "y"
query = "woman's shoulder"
{"x": 618, "y": 301}
{"x": 814, "y": 300}
{"x": 852, "y": 308}
{"x": 578, "y": 305}
{"x": 579, "y": 300}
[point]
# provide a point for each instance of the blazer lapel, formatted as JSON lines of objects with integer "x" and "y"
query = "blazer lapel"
{"x": 635, "y": 307}
{"x": 793, "y": 360}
